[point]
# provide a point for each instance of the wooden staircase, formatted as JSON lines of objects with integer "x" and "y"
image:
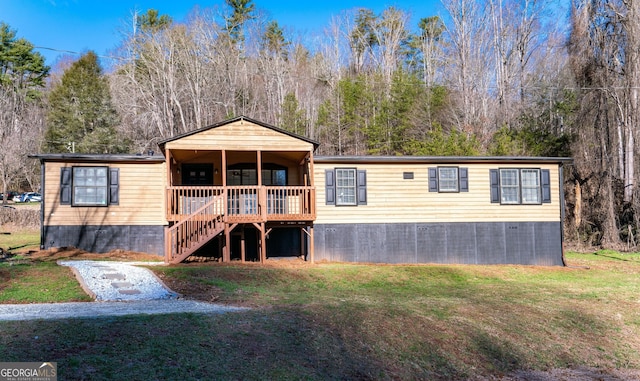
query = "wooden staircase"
{"x": 188, "y": 235}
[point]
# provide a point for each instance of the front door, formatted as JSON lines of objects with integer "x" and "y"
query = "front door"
{"x": 197, "y": 174}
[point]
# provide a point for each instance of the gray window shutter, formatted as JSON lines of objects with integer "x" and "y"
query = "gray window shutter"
{"x": 463, "y": 175}
{"x": 362, "y": 187}
{"x": 433, "y": 179}
{"x": 330, "y": 187}
{"x": 65, "y": 186}
{"x": 495, "y": 185}
{"x": 546, "y": 186}
{"x": 114, "y": 185}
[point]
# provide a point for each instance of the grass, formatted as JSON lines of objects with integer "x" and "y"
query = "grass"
{"x": 348, "y": 321}
{"x": 39, "y": 282}
{"x": 26, "y": 239}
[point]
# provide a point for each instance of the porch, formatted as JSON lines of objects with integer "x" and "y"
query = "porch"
{"x": 199, "y": 214}
{"x": 215, "y": 194}
{"x": 235, "y": 178}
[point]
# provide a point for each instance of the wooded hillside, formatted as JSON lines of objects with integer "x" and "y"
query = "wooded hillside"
{"x": 496, "y": 77}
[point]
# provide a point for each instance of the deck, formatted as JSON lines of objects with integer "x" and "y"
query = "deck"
{"x": 243, "y": 204}
{"x": 197, "y": 214}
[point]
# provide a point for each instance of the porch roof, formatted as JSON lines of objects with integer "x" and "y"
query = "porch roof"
{"x": 162, "y": 143}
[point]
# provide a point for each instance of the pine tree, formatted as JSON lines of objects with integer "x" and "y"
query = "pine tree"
{"x": 241, "y": 12}
{"x": 22, "y": 78}
{"x": 292, "y": 116}
{"x": 82, "y": 118}
{"x": 20, "y": 67}
{"x": 153, "y": 21}
{"x": 273, "y": 40}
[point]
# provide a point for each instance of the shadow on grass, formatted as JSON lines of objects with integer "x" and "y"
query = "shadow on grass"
{"x": 502, "y": 355}
{"x": 251, "y": 346}
{"x": 605, "y": 255}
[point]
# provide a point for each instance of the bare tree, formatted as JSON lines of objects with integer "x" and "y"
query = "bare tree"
{"x": 605, "y": 48}
{"x": 429, "y": 44}
{"x": 362, "y": 38}
{"x": 470, "y": 71}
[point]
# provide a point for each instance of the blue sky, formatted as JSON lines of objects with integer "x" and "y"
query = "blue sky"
{"x": 80, "y": 25}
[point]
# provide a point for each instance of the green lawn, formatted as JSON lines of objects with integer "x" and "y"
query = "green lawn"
{"x": 27, "y": 239}
{"x": 347, "y": 321}
{"x": 40, "y": 282}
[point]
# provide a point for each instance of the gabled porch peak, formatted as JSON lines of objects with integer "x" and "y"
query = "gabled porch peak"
{"x": 239, "y": 122}
{"x": 235, "y": 174}
{"x": 239, "y": 151}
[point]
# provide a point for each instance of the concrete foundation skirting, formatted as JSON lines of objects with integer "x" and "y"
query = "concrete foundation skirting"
{"x": 528, "y": 243}
{"x": 102, "y": 239}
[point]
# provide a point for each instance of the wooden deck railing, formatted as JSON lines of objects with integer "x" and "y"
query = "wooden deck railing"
{"x": 244, "y": 203}
{"x": 191, "y": 233}
{"x": 290, "y": 203}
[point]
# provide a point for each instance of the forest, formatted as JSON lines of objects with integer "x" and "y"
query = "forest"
{"x": 482, "y": 78}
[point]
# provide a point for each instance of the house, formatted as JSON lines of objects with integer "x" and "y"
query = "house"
{"x": 245, "y": 190}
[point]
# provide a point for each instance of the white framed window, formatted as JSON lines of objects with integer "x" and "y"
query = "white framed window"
{"x": 90, "y": 186}
{"x": 448, "y": 179}
{"x": 510, "y": 186}
{"x": 346, "y": 186}
{"x": 513, "y": 186}
{"x": 530, "y": 183}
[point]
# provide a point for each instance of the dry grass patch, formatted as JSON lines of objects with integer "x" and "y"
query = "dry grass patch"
{"x": 347, "y": 321}
{"x": 452, "y": 321}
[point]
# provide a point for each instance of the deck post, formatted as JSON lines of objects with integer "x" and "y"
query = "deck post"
{"x": 223, "y": 158}
{"x": 311, "y": 247}
{"x": 168, "y": 196}
{"x": 263, "y": 244}
{"x": 226, "y": 253}
{"x": 242, "y": 246}
{"x": 167, "y": 245}
{"x": 221, "y": 247}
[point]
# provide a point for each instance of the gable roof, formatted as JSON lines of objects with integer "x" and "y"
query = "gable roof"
{"x": 162, "y": 143}
{"x": 98, "y": 158}
{"x": 442, "y": 159}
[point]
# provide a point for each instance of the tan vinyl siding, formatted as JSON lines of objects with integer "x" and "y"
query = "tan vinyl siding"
{"x": 141, "y": 191}
{"x": 392, "y": 199}
{"x": 240, "y": 136}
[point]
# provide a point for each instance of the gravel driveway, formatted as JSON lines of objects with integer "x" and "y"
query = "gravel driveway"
{"x": 119, "y": 288}
{"x": 52, "y": 311}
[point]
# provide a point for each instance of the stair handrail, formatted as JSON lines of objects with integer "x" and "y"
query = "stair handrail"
{"x": 173, "y": 250}
{"x": 198, "y": 212}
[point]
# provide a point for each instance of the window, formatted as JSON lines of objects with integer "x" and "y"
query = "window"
{"x": 89, "y": 186}
{"x": 274, "y": 176}
{"x": 509, "y": 186}
{"x": 246, "y": 174}
{"x": 448, "y": 179}
{"x": 197, "y": 174}
{"x": 346, "y": 186}
{"x": 530, "y": 186}
{"x": 520, "y": 186}
{"x": 242, "y": 176}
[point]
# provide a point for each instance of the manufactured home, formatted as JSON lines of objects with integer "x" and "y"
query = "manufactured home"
{"x": 245, "y": 190}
